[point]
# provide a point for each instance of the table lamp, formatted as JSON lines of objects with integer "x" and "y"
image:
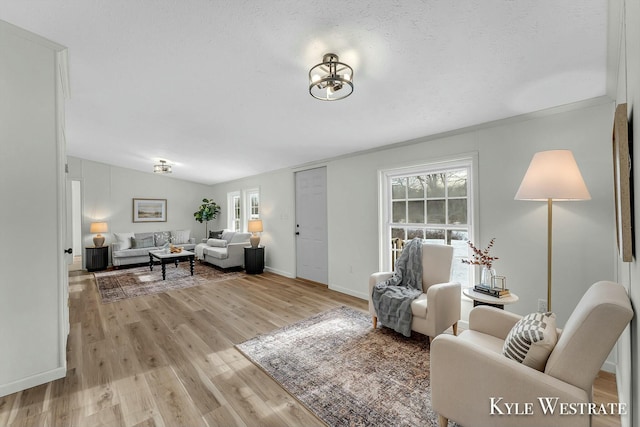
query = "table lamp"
{"x": 255, "y": 226}
{"x": 552, "y": 175}
{"x": 98, "y": 227}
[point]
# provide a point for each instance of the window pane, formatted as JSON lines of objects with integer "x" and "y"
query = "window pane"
{"x": 435, "y": 185}
{"x": 435, "y": 212}
{"x": 416, "y": 212}
{"x": 399, "y": 188}
{"x": 433, "y": 235}
{"x": 397, "y": 233}
{"x": 458, "y": 239}
{"x": 399, "y": 212}
{"x": 457, "y": 183}
{"x": 412, "y": 233}
{"x": 416, "y": 187}
{"x": 457, "y": 211}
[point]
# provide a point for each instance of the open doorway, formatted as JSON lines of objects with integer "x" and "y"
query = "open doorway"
{"x": 76, "y": 225}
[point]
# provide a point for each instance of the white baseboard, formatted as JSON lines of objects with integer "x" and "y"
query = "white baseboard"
{"x": 361, "y": 295}
{"x": 280, "y": 272}
{"x": 32, "y": 381}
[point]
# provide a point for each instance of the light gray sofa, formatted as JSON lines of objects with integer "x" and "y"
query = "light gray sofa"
{"x": 133, "y": 248}
{"x": 226, "y": 252}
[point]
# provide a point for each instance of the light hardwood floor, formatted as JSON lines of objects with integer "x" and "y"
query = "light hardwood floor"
{"x": 169, "y": 359}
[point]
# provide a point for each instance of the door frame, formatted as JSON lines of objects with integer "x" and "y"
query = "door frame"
{"x": 295, "y": 223}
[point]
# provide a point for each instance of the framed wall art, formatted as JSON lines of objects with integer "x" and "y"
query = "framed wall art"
{"x": 149, "y": 210}
{"x": 622, "y": 183}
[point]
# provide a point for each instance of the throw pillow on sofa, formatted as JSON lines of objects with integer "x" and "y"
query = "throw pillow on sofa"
{"x": 144, "y": 242}
{"x": 532, "y": 340}
{"x": 218, "y": 243}
{"x": 180, "y": 237}
{"x": 123, "y": 240}
{"x": 162, "y": 238}
{"x": 215, "y": 234}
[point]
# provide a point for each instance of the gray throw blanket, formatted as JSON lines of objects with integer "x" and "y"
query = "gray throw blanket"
{"x": 392, "y": 298}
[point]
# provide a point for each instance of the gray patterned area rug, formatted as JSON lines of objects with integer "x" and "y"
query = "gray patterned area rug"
{"x": 126, "y": 283}
{"x": 347, "y": 373}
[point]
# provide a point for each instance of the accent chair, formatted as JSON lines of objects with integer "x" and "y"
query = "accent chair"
{"x": 469, "y": 370}
{"x": 438, "y": 307}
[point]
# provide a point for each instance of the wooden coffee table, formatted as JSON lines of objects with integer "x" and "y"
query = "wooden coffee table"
{"x": 168, "y": 257}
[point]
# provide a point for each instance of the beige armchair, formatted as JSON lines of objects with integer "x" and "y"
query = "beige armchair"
{"x": 469, "y": 370}
{"x": 438, "y": 307}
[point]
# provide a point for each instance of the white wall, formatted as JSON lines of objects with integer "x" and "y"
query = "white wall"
{"x": 583, "y": 231}
{"x": 76, "y": 221}
{"x": 624, "y": 70}
{"x": 107, "y": 193}
{"x": 277, "y": 211}
{"x": 33, "y": 310}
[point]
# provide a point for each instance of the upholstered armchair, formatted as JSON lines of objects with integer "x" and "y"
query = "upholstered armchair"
{"x": 469, "y": 370}
{"x": 438, "y": 307}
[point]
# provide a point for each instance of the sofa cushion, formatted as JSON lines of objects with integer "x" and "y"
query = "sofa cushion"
{"x": 181, "y": 236}
{"x": 161, "y": 238}
{"x": 142, "y": 242}
{"x": 531, "y": 340}
{"x": 126, "y": 253}
{"x": 218, "y": 243}
{"x": 220, "y": 253}
{"x": 123, "y": 240}
{"x": 240, "y": 237}
{"x": 227, "y": 235}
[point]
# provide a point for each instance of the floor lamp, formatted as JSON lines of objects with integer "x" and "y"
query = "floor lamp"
{"x": 552, "y": 176}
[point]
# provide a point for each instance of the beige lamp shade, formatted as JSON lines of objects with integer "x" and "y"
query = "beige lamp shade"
{"x": 553, "y": 175}
{"x": 98, "y": 227}
{"x": 254, "y": 226}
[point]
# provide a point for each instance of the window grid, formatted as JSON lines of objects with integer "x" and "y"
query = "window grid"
{"x": 446, "y": 220}
{"x": 236, "y": 212}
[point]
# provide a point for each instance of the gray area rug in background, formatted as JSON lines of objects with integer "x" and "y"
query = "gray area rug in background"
{"x": 347, "y": 373}
{"x": 126, "y": 283}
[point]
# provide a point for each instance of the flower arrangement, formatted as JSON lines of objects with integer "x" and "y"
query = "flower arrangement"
{"x": 481, "y": 257}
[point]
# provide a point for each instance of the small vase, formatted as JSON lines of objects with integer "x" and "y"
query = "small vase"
{"x": 487, "y": 276}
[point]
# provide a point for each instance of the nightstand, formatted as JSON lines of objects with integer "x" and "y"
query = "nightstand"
{"x": 254, "y": 260}
{"x": 97, "y": 258}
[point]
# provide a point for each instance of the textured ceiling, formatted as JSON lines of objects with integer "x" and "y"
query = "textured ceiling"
{"x": 219, "y": 88}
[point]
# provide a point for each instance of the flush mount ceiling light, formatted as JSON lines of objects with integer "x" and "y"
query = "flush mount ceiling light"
{"x": 331, "y": 80}
{"x": 163, "y": 167}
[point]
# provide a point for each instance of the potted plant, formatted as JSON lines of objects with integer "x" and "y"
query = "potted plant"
{"x": 207, "y": 211}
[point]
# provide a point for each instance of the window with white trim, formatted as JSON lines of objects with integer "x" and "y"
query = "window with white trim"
{"x": 253, "y": 204}
{"x": 432, "y": 202}
{"x": 234, "y": 211}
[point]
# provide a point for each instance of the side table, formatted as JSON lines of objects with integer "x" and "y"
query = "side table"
{"x": 481, "y": 299}
{"x": 254, "y": 260}
{"x": 97, "y": 258}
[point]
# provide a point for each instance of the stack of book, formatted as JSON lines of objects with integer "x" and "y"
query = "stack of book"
{"x": 494, "y": 292}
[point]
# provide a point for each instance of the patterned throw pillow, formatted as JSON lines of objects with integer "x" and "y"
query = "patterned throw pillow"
{"x": 215, "y": 234}
{"x": 181, "y": 236}
{"x": 532, "y": 340}
{"x": 162, "y": 238}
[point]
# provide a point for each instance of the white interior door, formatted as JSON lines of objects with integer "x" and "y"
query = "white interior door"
{"x": 312, "y": 249}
